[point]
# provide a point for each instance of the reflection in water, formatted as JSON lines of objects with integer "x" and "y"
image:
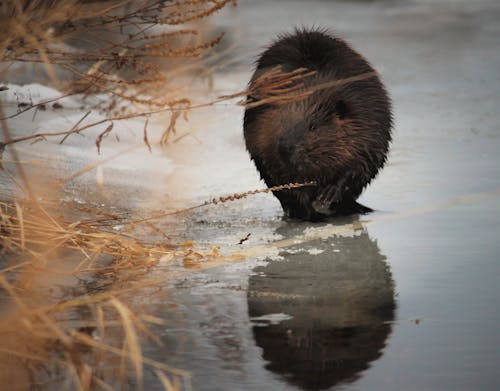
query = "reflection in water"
{"x": 339, "y": 298}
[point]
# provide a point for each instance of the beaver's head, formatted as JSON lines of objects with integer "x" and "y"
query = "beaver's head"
{"x": 308, "y": 139}
{"x": 315, "y": 135}
{"x": 321, "y": 134}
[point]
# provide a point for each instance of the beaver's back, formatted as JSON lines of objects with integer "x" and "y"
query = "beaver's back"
{"x": 315, "y": 50}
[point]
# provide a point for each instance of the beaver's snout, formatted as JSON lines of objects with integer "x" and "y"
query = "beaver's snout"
{"x": 289, "y": 141}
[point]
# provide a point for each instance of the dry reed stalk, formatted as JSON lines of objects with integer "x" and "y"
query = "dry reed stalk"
{"x": 279, "y": 87}
{"x": 219, "y": 200}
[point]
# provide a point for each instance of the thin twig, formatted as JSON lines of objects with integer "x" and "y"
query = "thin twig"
{"x": 145, "y": 138}
{"x": 101, "y": 136}
{"x": 75, "y": 126}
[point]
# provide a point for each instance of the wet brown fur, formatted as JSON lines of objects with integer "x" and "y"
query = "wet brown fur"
{"x": 337, "y": 136}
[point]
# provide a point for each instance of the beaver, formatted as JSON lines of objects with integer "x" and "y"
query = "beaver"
{"x": 337, "y": 134}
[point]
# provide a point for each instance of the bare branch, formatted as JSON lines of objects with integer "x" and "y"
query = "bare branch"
{"x": 101, "y": 136}
{"x": 146, "y": 141}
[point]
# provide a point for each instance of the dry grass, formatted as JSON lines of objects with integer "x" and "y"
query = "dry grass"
{"x": 278, "y": 87}
{"x": 85, "y": 336}
{"x": 222, "y": 199}
{"x": 114, "y": 51}
{"x": 38, "y": 330}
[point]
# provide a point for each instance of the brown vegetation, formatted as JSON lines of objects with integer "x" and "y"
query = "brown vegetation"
{"x": 38, "y": 330}
{"x": 129, "y": 52}
{"x": 86, "y": 337}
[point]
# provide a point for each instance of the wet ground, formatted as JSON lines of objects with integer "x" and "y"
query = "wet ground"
{"x": 405, "y": 298}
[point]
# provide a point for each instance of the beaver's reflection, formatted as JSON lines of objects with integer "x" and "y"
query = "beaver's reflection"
{"x": 339, "y": 298}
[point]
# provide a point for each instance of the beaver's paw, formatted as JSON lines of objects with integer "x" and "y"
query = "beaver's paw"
{"x": 326, "y": 200}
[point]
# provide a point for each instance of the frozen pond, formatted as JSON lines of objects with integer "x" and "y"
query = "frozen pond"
{"x": 405, "y": 298}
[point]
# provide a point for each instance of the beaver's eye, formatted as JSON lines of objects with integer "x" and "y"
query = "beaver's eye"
{"x": 313, "y": 127}
{"x": 341, "y": 110}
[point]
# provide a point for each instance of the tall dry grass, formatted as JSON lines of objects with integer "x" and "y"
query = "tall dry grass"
{"x": 84, "y": 338}
{"x": 83, "y": 335}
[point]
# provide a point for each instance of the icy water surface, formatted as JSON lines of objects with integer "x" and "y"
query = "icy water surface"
{"x": 391, "y": 305}
{"x": 405, "y": 298}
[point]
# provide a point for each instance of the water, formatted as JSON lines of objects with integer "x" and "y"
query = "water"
{"x": 407, "y": 303}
